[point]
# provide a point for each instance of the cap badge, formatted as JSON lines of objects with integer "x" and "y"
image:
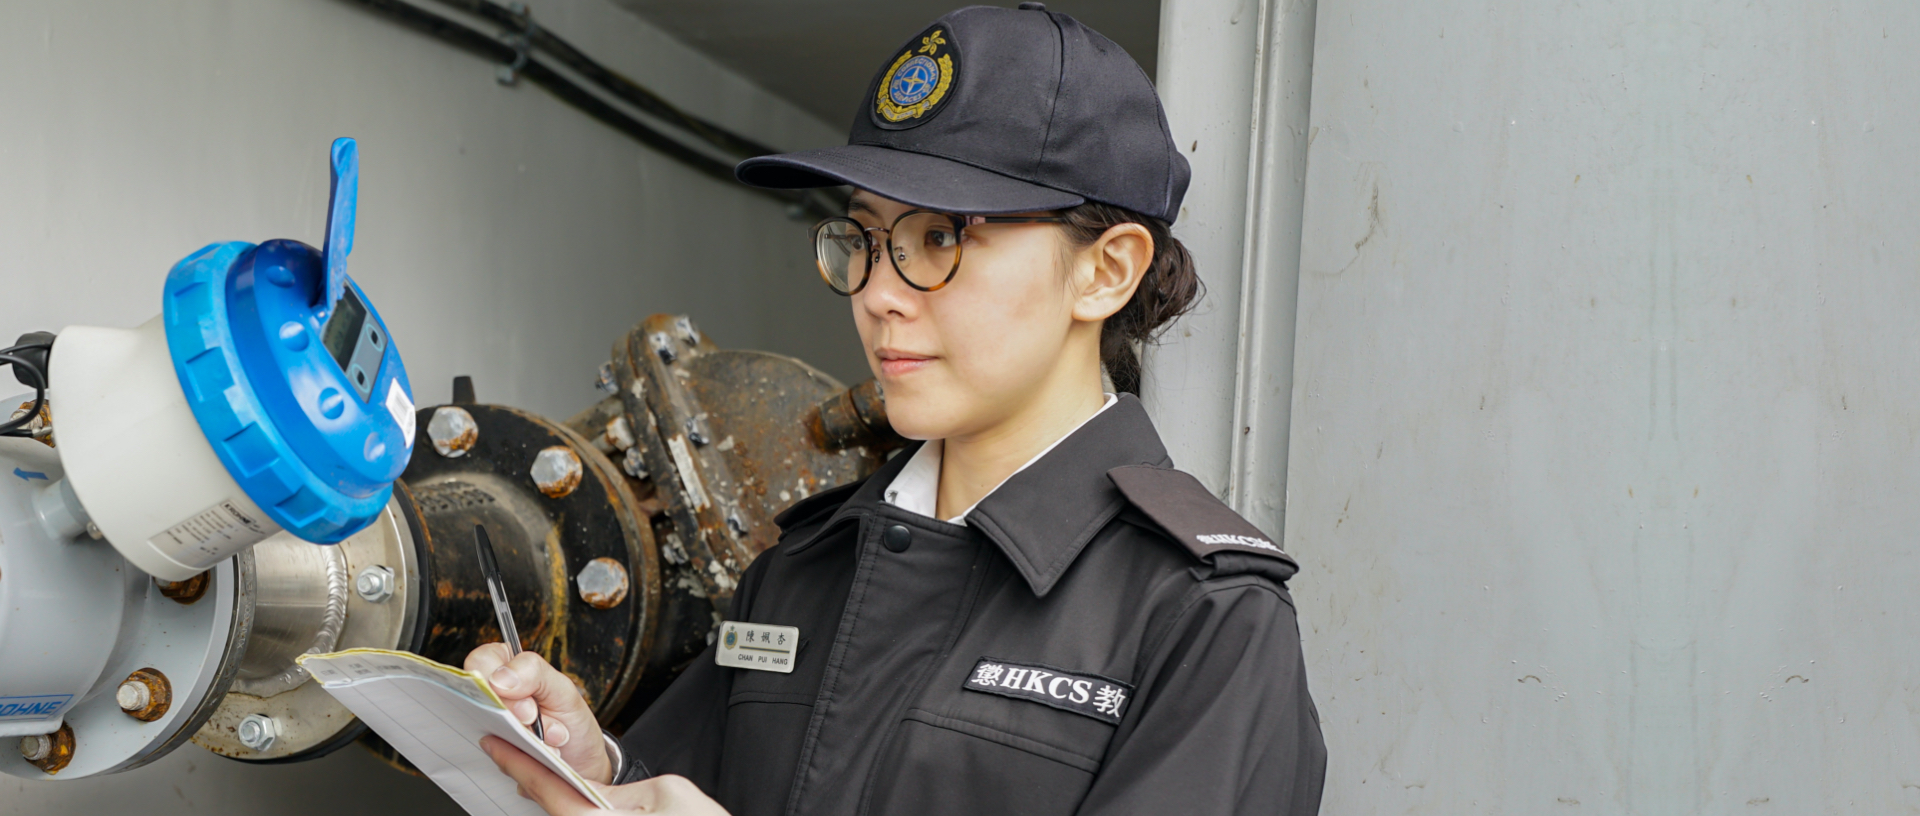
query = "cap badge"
{"x": 918, "y": 81}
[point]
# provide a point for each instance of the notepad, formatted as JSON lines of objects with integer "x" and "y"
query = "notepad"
{"x": 435, "y": 715}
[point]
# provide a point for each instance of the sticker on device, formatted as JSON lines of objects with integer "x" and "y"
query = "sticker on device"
{"x": 758, "y": 646}
{"x": 33, "y": 707}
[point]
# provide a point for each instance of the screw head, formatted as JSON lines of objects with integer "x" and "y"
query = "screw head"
{"x": 258, "y": 731}
{"x": 133, "y": 695}
{"x": 35, "y": 747}
{"x": 557, "y": 471}
{"x": 374, "y": 584}
{"x": 453, "y": 431}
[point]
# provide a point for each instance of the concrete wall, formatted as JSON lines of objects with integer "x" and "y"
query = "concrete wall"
{"x": 1604, "y": 411}
{"x": 501, "y": 234}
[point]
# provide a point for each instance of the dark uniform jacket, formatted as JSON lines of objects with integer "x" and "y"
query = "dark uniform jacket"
{"x": 1103, "y": 636}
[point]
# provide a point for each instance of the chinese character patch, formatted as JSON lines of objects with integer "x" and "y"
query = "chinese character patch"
{"x": 1089, "y": 694}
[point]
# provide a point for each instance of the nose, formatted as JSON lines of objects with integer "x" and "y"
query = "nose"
{"x": 887, "y": 295}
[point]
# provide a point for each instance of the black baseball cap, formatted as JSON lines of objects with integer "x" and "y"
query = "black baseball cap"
{"x": 994, "y": 110}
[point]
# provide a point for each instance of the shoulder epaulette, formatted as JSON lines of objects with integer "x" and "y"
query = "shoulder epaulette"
{"x": 1186, "y": 510}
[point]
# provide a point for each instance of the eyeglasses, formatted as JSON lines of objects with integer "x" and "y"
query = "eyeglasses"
{"x": 924, "y": 246}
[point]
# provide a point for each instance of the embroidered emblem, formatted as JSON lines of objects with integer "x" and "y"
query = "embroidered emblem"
{"x": 1226, "y": 540}
{"x": 1091, "y": 695}
{"x": 918, "y": 81}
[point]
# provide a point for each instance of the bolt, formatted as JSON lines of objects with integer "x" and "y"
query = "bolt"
{"x": 258, "y": 731}
{"x": 738, "y": 526}
{"x": 453, "y": 431}
{"x": 36, "y": 747}
{"x": 617, "y": 435}
{"x": 603, "y": 583}
{"x": 145, "y": 695}
{"x": 133, "y": 696}
{"x": 375, "y": 584}
{"x": 634, "y": 465}
{"x": 662, "y": 346}
{"x": 696, "y": 434}
{"x": 49, "y": 752}
{"x": 688, "y": 334}
{"x": 556, "y": 471}
{"x": 605, "y": 381}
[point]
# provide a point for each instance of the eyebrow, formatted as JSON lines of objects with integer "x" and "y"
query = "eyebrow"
{"x": 856, "y": 204}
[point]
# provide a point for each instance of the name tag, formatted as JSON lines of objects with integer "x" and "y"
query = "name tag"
{"x": 759, "y": 646}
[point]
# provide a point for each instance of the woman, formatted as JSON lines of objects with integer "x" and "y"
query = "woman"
{"x": 1030, "y": 612}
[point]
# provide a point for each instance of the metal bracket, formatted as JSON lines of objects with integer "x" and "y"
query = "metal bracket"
{"x": 522, "y": 43}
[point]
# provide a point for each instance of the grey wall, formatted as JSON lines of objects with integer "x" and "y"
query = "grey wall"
{"x": 501, "y": 234}
{"x": 1604, "y": 409}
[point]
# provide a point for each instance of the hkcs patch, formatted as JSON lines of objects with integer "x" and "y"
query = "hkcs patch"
{"x": 918, "y": 83}
{"x": 1091, "y": 695}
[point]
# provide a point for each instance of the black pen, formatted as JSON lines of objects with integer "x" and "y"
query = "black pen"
{"x": 490, "y": 569}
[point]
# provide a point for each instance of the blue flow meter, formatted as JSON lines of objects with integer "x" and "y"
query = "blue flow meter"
{"x": 291, "y": 373}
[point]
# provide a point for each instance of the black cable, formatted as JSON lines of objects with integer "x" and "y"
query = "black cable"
{"x": 613, "y": 81}
{"x": 494, "y": 50}
{"x": 8, "y": 356}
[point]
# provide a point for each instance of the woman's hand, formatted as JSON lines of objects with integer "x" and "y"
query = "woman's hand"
{"x": 530, "y": 686}
{"x": 668, "y": 795}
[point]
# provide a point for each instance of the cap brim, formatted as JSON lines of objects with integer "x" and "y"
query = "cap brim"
{"x": 916, "y": 179}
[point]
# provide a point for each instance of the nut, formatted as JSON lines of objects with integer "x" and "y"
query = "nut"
{"x": 49, "y": 752}
{"x": 184, "y": 592}
{"x": 605, "y": 381}
{"x": 688, "y": 334}
{"x": 375, "y": 583}
{"x": 663, "y": 346}
{"x": 258, "y": 732}
{"x": 556, "y": 471}
{"x": 603, "y": 583}
{"x": 453, "y": 431}
{"x": 634, "y": 464}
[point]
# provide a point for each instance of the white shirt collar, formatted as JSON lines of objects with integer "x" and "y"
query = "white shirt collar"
{"x": 917, "y": 487}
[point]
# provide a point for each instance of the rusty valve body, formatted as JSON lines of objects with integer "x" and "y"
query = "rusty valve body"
{"x": 622, "y": 532}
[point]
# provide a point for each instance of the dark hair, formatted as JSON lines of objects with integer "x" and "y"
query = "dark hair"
{"x": 1168, "y": 290}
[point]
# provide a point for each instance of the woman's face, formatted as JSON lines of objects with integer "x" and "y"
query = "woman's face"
{"x": 966, "y": 357}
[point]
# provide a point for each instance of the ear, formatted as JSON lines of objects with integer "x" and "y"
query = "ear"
{"x": 1108, "y": 270}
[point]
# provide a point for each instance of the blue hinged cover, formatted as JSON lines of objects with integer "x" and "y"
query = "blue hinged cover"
{"x": 312, "y": 416}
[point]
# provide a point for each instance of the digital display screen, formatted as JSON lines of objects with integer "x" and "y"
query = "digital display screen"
{"x": 343, "y": 329}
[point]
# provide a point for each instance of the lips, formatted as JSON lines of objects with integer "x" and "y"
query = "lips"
{"x": 895, "y": 363}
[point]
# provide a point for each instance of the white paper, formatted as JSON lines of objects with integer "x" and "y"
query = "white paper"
{"x": 435, "y": 715}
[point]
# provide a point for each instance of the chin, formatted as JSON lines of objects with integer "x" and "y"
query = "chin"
{"x": 916, "y": 416}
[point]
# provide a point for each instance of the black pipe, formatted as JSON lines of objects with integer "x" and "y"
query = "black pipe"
{"x": 494, "y": 50}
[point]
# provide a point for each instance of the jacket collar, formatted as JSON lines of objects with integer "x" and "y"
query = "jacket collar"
{"x": 1044, "y": 516}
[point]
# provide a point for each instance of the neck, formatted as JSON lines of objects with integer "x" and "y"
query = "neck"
{"x": 971, "y": 466}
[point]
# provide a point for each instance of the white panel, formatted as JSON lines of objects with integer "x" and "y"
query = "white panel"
{"x": 1235, "y": 78}
{"x": 1605, "y": 413}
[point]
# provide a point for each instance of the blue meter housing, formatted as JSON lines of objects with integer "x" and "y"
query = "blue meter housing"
{"x": 292, "y": 374}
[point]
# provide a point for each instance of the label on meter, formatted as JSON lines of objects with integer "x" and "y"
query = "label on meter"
{"x": 210, "y": 535}
{"x": 402, "y": 410}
